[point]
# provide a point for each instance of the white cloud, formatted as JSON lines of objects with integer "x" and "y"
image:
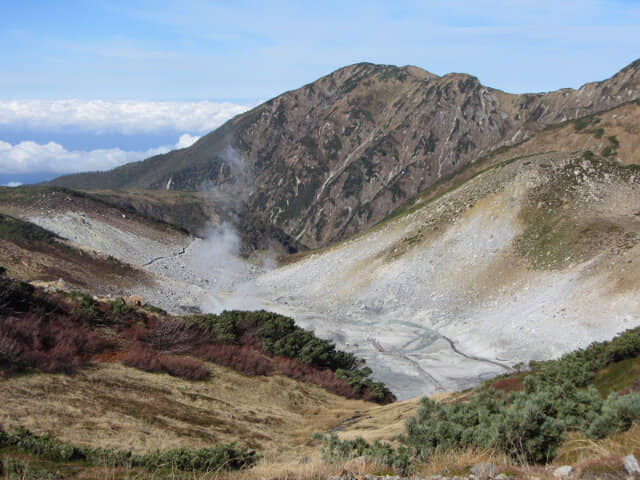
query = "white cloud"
{"x": 13, "y": 184}
{"x": 186, "y": 140}
{"x": 124, "y": 116}
{"x": 31, "y": 157}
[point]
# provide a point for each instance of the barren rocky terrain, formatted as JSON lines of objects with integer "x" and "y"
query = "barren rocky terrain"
{"x": 441, "y": 297}
{"x": 528, "y": 259}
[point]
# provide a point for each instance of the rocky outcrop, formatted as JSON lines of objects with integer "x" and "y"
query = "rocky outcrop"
{"x": 336, "y": 156}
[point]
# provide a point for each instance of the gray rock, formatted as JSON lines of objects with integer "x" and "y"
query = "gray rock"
{"x": 501, "y": 476}
{"x": 563, "y": 472}
{"x": 484, "y": 470}
{"x": 631, "y": 464}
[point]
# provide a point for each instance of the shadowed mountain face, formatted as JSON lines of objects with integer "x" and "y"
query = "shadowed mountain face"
{"x": 336, "y": 156}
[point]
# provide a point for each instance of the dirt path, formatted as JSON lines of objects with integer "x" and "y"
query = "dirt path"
{"x": 154, "y": 260}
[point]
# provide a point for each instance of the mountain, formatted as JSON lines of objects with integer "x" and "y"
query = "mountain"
{"x": 527, "y": 253}
{"x": 338, "y": 155}
{"x": 523, "y": 255}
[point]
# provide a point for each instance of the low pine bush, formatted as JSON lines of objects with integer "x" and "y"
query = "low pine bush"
{"x": 382, "y": 454}
{"x": 212, "y": 459}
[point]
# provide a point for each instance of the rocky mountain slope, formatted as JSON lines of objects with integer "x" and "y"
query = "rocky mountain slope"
{"x": 521, "y": 255}
{"x": 527, "y": 260}
{"x": 336, "y": 156}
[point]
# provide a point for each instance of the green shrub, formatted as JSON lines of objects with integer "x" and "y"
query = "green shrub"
{"x": 582, "y": 123}
{"x": 279, "y": 335}
{"x": 14, "y": 468}
{"x": 220, "y": 457}
{"x": 45, "y": 446}
{"x": 613, "y": 140}
{"x": 382, "y": 454}
{"x": 85, "y": 305}
{"x": 120, "y": 307}
{"x": 25, "y": 234}
{"x": 618, "y": 413}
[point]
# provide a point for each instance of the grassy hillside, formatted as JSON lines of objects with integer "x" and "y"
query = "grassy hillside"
{"x": 133, "y": 380}
{"x": 60, "y": 333}
{"x": 122, "y": 410}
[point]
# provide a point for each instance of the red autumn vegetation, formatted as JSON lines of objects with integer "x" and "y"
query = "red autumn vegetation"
{"x": 143, "y": 357}
{"x": 55, "y": 333}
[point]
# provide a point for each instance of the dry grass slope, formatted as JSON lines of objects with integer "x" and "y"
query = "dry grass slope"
{"x": 114, "y": 406}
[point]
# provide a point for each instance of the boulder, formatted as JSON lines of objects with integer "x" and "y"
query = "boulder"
{"x": 565, "y": 471}
{"x": 484, "y": 470}
{"x": 631, "y": 464}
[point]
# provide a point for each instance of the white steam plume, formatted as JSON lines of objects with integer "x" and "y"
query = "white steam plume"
{"x": 217, "y": 259}
{"x": 232, "y": 278}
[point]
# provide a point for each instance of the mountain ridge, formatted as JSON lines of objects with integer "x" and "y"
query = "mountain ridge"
{"x": 337, "y": 155}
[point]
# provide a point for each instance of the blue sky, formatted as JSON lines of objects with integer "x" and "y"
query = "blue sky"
{"x": 212, "y": 60}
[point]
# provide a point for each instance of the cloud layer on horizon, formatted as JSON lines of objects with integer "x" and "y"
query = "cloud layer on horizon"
{"x": 123, "y": 116}
{"x": 31, "y": 157}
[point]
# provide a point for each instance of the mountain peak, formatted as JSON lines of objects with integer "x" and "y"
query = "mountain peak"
{"x": 385, "y": 72}
{"x": 330, "y": 159}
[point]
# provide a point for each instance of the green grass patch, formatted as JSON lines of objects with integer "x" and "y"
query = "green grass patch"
{"x": 554, "y": 242}
{"x": 618, "y": 376}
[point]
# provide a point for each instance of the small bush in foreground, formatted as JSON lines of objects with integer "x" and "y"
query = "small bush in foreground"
{"x": 527, "y": 426}
{"x": 184, "y": 367}
{"x": 382, "y": 454}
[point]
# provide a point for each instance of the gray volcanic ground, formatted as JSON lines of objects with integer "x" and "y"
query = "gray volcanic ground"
{"x": 434, "y": 300}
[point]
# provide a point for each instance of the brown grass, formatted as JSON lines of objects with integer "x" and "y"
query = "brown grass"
{"x": 119, "y": 407}
{"x": 460, "y": 462}
{"x": 578, "y": 448}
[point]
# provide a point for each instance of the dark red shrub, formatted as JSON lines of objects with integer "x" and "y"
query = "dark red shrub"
{"x": 175, "y": 336}
{"x": 325, "y": 378}
{"x": 242, "y": 359}
{"x": 136, "y": 333}
{"x": 49, "y": 343}
{"x": 143, "y": 358}
{"x": 184, "y": 367}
